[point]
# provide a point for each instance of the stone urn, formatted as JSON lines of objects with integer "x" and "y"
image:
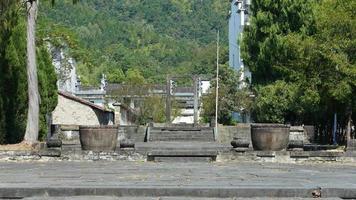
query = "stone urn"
{"x": 270, "y": 137}
{"x": 98, "y": 138}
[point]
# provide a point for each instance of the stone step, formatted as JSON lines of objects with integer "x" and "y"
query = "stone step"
{"x": 187, "y": 133}
{"x": 182, "y": 140}
{"x": 182, "y": 159}
{"x": 181, "y": 135}
{"x": 146, "y": 147}
{"x": 183, "y": 131}
{"x": 182, "y": 155}
{"x": 178, "y": 153}
{"x": 181, "y": 128}
{"x": 179, "y": 139}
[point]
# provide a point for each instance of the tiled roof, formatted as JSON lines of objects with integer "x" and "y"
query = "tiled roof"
{"x": 82, "y": 101}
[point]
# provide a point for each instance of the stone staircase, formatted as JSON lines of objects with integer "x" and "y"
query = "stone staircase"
{"x": 182, "y": 134}
{"x": 181, "y": 144}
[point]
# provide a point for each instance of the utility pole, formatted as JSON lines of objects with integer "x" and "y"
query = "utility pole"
{"x": 217, "y": 85}
{"x": 196, "y": 83}
{"x": 335, "y": 129}
{"x": 168, "y": 100}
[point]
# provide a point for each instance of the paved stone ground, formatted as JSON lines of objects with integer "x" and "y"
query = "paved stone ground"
{"x": 163, "y": 198}
{"x": 139, "y": 179}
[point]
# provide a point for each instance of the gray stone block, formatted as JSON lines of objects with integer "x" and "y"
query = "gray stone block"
{"x": 351, "y": 145}
{"x": 183, "y": 134}
{"x": 227, "y": 133}
{"x": 50, "y": 152}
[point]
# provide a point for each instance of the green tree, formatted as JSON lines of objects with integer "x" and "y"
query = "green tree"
{"x": 152, "y": 109}
{"x": 13, "y": 82}
{"x": 48, "y": 88}
{"x": 12, "y": 73}
{"x": 263, "y": 47}
{"x": 134, "y": 77}
{"x": 273, "y": 103}
{"x": 337, "y": 40}
{"x": 116, "y": 76}
{"x": 310, "y": 55}
{"x": 232, "y": 97}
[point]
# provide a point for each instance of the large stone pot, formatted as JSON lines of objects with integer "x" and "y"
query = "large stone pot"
{"x": 98, "y": 138}
{"x": 270, "y": 137}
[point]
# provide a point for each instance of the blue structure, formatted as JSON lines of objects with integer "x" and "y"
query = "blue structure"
{"x": 238, "y": 18}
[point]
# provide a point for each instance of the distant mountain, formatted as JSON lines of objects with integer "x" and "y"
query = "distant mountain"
{"x": 155, "y": 36}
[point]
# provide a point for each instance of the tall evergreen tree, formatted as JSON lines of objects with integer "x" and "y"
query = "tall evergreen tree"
{"x": 13, "y": 81}
{"x": 263, "y": 47}
{"x": 15, "y": 88}
{"x": 32, "y": 127}
{"x": 48, "y": 88}
{"x": 12, "y": 76}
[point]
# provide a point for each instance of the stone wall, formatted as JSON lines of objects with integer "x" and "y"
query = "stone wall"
{"x": 132, "y": 132}
{"x": 69, "y": 112}
{"x": 297, "y": 133}
{"x": 351, "y": 145}
{"x": 227, "y": 133}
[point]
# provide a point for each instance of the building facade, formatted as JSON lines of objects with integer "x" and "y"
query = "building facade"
{"x": 238, "y": 19}
{"x": 72, "y": 110}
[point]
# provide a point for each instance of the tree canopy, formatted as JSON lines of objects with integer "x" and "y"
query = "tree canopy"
{"x": 302, "y": 59}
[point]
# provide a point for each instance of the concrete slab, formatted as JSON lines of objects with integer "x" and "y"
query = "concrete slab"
{"x": 162, "y": 198}
{"x": 174, "y": 146}
{"x": 203, "y": 180}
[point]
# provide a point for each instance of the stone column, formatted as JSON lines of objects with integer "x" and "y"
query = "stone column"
{"x": 117, "y": 117}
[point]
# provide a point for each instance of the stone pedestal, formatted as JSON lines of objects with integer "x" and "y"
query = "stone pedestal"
{"x": 351, "y": 145}
{"x": 310, "y": 133}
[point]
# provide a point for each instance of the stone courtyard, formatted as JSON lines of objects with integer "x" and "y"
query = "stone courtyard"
{"x": 175, "y": 180}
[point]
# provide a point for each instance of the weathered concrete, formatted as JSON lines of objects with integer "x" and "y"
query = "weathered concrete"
{"x": 133, "y": 133}
{"x": 351, "y": 146}
{"x": 138, "y": 179}
{"x": 164, "y": 198}
{"x": 298, "y": 134}
{"x": 192, "y": 151}
{"x": 227, "y": 133}
{"x": 182, "y": 134}
{"x": 145, "y": 147}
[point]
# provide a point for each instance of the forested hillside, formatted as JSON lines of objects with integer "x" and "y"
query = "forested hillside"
{"x": 154, "y": 36}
